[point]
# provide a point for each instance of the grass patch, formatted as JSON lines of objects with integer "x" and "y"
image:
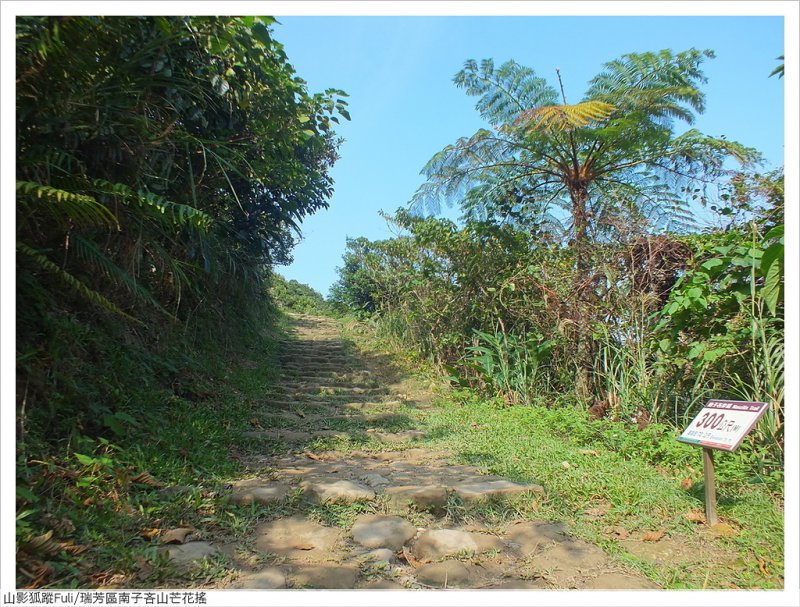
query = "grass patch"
{"x": 90, "y": 510}
{"x": 596, "y": 489}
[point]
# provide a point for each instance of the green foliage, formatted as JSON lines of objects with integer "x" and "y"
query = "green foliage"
{"x": 613, "y": 155}
{"x": 636, "y": 475}
{"x": 508, "y": 365}
{"x": 165, "y": 464}
{"x": 163, "y": 165}
{"x": 297, "y": 297}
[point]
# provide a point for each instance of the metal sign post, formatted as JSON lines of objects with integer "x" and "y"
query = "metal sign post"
{"x": 711, "y": 487}
{"x": 722, "y": 425}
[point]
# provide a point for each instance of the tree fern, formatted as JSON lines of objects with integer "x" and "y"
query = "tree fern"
{"x": 564, "y": 117}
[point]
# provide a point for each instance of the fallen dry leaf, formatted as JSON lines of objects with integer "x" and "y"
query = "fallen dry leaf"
{"x": 310, "y": 455}
{"x": 687, "y": 483}
{"x": 255, "y": 422}
{"x": 304, "y": 546}
{"x": 150, "y": 533}
{"x": 589, "y": 452}
{"x": 620, "y": 532}
{"x": 654, "y": 536}
{"x": 762, "y": 566}
{"x": 410, "y": 558}
{"x": 566, "y": 465}
{"x": 145, "y": 478}
{"x": 176, "y": 536}
{"x": 598, "y": 511}
{"x": 694, "y": 516}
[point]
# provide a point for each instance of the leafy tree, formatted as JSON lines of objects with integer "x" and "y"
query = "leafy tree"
{"x": 613, "y": 156}
{"x": 163, "y": 164}
{"x": 614, "y": 162}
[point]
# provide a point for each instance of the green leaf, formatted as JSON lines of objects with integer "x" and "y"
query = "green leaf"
{"x": 709, "y": 264}
{"x": 773, "y": 280}
{"x": 261, "y": 33}
{"x": 26, "y": 494}
{"x": 86, "y": 460}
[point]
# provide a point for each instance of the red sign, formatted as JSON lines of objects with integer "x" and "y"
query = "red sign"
{"x": 723, "y": 424}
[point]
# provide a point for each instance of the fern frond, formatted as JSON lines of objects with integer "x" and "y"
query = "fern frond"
{"x": 174, "y": 212}
{"x": 65, "y": 207}
{"x": 506, "y": 91}
{"x": 77, "y": 285}
{"x": 564, "y": 117}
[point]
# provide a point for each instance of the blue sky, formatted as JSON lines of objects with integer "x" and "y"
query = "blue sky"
{"x": 398, "y": 72}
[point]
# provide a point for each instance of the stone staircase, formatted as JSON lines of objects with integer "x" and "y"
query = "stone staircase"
{"x": 404, "y": 537}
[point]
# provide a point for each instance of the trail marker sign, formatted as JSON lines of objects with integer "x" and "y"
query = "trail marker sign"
{"x": 721, "y": 424}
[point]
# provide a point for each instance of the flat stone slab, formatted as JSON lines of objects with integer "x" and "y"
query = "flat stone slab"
{"x": 297, "y": 537}
{"x": 375, "y": 480}
{"x": 191, "y": 552}
{"x": 266, "y": 494}
{"x": 324, "y": 577}
{"x": 379, "y": 531}
{"x": 446, "y": 574}
{"x": 341, "y": 491}
{"x": 564, "y": 560}
{"x": 423, "y": 498}
{"x": 375, "y": 556}
{"x": 619, "y": 581}
{"x": 473, "y": 492}
{"x": 266, "y": 579}
{"x": 437, "y": 543}
{"x": 528, "y": 538}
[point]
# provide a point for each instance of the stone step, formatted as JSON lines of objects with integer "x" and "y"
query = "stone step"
{"x": 331, "y": 380}
{"x": 312, "y": 399}
{"x": 354, "y": 387}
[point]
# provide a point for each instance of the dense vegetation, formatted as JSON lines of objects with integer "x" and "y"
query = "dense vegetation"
{"x": 295, "y": 296}
{"x": 579, "y": 275}
{"x": 163, "y": 166}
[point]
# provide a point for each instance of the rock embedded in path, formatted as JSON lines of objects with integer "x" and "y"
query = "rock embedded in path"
{"x": 564, "y": 560}
{"x": 375, "y": 480}
{"x": 324, "y": 577}
{"x": 379, "y": 531}
{"x": 297, "y": 537}
{"x": 446, "y": 574}
{"x": 438, "y": 543}
{"x": 529, "y": 537}
{"x": 375, "y": 556}
{"x": 341, "y": 491}
{"x": 266, "y": 579}
{"x": 475, "y": 491}
{"x": 423, "y": 498}
{"x": 265, "y": 494}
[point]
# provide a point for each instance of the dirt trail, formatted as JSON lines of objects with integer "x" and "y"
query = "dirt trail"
{"x": 370, "y": 507}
